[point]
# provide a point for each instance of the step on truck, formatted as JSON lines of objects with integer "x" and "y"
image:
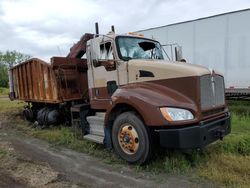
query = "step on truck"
{"x": 118, "y": 90}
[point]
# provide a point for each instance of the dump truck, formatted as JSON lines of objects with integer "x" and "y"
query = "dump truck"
{"x": 118, "y": 90}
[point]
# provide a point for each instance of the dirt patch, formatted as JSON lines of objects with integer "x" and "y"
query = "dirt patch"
{"x": 9, "y": 181}
{"x": 21, "y": 171}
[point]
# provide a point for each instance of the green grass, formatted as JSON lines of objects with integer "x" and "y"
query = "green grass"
{"x": 228, "y": 162}
{"x": 227, "y": 169}
{"x": 239, "y": 107}
{"x": 2, "y": 152}
{"x": 7, "y": 105}
{"x": 4, "y": 91}
{"x": 225, "y": 163}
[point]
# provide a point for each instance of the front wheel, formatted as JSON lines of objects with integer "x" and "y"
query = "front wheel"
{"x": 130, "y": 138}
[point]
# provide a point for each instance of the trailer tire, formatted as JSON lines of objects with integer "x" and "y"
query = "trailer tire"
{"x": 130, "y": 138}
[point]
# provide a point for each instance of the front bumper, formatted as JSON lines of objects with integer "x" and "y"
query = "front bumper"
{"x": 196, "y": 136}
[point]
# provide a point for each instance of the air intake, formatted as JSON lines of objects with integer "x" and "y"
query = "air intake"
{"x": 212, "y": 90}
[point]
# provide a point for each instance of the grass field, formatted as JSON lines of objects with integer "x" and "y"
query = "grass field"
{"x": 4, "y": 91}
{"x": 225, "y": 163}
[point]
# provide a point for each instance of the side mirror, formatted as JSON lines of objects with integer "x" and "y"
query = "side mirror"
{"x": 178, "y": 53}
{"x": 94, "y": 50}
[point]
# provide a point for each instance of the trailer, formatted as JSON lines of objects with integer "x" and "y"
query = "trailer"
{"x": 220, "y": 42}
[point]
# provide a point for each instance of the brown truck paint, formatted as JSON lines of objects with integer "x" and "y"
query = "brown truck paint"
{"x": 148, "y": 97}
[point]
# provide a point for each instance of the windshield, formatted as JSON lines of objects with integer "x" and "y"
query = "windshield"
{"x": 138, "y": 48}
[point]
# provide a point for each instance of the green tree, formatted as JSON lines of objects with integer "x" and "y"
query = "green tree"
{"x": 9, "y": 59}
{"x": 3, "y": 76}
{"x": 12, "y": 58}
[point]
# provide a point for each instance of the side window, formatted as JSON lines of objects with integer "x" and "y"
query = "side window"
{"x": 106, "y": 57}
{"x": 106, "y": 51}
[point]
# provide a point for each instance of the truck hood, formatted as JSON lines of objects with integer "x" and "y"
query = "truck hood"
{"x": 149, "y": 70}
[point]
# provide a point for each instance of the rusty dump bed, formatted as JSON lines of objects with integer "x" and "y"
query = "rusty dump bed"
{"x": 65, "y": 79}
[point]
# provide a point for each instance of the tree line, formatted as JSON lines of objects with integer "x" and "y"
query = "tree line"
{"x": 9, "y": 59}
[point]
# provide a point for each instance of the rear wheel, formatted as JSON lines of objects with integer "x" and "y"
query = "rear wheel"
{"x": 130, "y": 138}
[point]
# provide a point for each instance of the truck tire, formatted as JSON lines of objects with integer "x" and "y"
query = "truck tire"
{"x": 130, "y": 138}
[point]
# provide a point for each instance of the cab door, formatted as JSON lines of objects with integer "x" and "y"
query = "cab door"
{"x": 104, "y": 75}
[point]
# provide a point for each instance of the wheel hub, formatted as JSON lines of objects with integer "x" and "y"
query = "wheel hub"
{"x": 128, "y": 139}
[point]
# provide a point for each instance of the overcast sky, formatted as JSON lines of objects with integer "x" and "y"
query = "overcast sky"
{"x": 45, "y": 28}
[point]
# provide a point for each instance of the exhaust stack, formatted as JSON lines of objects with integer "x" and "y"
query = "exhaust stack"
{"x": 113, "y": 28}
{"x": 96, "y": 28}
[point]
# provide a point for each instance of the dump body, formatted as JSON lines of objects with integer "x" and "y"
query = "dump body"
{"x": 37, "y": 81}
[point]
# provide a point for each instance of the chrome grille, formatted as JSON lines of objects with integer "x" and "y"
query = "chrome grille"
{"x": 212, "y": 91}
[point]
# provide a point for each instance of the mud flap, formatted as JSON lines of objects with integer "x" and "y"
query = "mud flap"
{"x": 107, "y": 138}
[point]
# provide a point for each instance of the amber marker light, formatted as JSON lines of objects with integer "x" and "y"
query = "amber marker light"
{"x": 165, "y": 114}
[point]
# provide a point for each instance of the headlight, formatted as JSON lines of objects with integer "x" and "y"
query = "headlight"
{"x": 176, "y": 114}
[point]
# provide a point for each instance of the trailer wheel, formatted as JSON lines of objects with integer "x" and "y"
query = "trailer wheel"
{"x": 130, "y": 138}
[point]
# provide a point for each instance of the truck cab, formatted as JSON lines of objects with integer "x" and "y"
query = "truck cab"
{"x": 141, "y": 99}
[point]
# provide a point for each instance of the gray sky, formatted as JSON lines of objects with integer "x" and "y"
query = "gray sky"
{"x": 45, "y": 28}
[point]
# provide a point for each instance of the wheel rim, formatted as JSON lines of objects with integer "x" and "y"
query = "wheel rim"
{"x": 128, "y": 139}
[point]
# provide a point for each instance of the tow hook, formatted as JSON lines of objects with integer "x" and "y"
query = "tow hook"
{"x": 220, "y": 134}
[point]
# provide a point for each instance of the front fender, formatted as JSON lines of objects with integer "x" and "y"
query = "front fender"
{"x": 147, "y": 98}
